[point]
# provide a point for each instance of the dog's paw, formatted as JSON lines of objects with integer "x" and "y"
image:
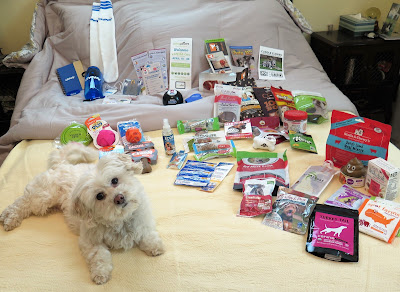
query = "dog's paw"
{"x": 101, "y": 279}
{"x": 10, "y": 219}
{"x": 154, "y": 249}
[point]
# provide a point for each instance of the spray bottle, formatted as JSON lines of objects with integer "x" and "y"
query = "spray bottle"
{"x": 168, "y": 138}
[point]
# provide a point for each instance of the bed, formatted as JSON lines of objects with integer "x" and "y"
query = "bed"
{"x": 208, "y": 248}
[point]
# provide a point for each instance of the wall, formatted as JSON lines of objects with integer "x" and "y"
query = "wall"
{"x": 16, "y": 16}
{"x": 15, "y": 22}
{"x": 321, "y": 13}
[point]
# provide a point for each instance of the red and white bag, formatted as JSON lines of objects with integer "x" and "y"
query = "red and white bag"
{"x": 352, "y": 136}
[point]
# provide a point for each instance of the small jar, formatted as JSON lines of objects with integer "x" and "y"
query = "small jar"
{"x": 295, "y": 121}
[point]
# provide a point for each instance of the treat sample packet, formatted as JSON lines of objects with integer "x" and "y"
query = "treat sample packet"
{"x": 313, "y": 103}
{"x": 238, "y": 130}
{"x": 379, "y": 220}
{"x": 257, "y": 197}
{"x": 315, "y": 179}
{"x": 267, "y": 101}
{"x": 186, "y": 126}
{"x": 261, "y": 165}
{"x": 302, "y": 142}
{"x": 291, "y": 211}
{"x": 352, "y": 136}
{"x": 227, "y": 108}
{"x": 346, "y": 197}
{"x": 333, "y": 233}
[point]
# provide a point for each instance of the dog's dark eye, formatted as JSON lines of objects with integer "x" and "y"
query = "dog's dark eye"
{"x": 100, "y": 196}
{"x": 114, "y": 181}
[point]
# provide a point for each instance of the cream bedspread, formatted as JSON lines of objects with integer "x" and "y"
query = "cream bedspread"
{"x": 208, "y": 248}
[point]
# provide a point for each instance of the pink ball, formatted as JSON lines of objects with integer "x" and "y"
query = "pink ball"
{"x": 105, "y": 138}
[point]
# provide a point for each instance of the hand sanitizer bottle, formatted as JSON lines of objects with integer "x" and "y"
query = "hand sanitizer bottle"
{"x": 168, "y": 138}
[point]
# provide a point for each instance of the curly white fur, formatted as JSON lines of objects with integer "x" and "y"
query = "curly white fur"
{"x": 120, "y": 217}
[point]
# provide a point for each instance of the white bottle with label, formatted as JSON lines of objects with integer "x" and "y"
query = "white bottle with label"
{"x": 168, "y": 138}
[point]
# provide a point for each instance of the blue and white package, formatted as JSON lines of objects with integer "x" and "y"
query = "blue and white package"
{"x": 195, "y": 173}
{"x": 93, "y": 84}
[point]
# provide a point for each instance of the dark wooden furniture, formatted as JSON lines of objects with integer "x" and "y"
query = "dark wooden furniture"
{"x": 10, "y": 79}
{"x": 366, "y": 70}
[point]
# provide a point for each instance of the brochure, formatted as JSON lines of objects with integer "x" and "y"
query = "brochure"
{"x": 152, "y": 78}
{"x": 180, "y": 72}
{"x": 139, "y": 62}
{"x": 242, "y": 56}
{"x": 218, "y": 62}
{"x": 270, "y": 64}
{"x": 160, "y": 56}
{"x": 216, "y": 45}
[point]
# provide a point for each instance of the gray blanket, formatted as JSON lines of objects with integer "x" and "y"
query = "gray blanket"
{"x": 61, "y": 36}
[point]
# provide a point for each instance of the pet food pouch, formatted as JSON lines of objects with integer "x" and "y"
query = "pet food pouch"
{"x": 284, "y": 100}
{"x": 291, "y": 211}
{"x": 238, "y": 130}
{"x": 261, "y": 165}
{"x": 379, "y": 220}
{"x": 389, "y": 203}
{"x": 257, "y": 197}
{"x": 227, "y": 108}
{"x": 267, "y": 101}
{"x": 302, "y": 142}
{"x": 313, "y": 103}
{"x": 352, "y": 136}
{"x": 333, "y": 233}
{"x": 315, "y": 179}
{"x": 346, "y": 197}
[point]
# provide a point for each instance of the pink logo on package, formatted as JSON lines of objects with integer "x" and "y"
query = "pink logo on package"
{"x": 336, "y": 232}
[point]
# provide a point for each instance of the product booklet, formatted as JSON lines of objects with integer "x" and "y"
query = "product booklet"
{"x": 270, "y": 64}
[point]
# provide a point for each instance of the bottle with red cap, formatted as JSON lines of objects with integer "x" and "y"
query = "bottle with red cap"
{"x": 295, "y": 121}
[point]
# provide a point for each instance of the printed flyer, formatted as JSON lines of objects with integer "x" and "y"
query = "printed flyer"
{"x": 270, "y": 64}
{"x": 180, "y": 72}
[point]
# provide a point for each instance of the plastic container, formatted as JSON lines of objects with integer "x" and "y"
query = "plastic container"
{"x": 295, "y": 121}
{"x": 168, "y": 138}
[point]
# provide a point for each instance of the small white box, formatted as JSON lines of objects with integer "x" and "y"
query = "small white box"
{"x": 382, "y": 179}
{"x": 207, "y": 79}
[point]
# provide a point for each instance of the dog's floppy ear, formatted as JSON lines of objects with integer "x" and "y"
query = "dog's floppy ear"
{"x": 136, "y": 167}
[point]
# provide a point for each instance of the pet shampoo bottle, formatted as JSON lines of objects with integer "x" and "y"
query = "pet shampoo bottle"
{"x": 168, "y": 138}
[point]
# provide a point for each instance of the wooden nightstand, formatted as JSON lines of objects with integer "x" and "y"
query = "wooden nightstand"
{"x": 366, "y": 70}
{"x": 10, "y": 79}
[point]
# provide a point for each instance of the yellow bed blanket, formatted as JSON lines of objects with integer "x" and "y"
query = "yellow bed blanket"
{"x": 208, "y": 248}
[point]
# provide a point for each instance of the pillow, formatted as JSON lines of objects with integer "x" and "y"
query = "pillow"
{"x": 296, "y": 15}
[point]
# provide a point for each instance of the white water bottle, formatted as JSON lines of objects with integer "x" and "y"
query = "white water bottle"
{"x": 168, "y": 138}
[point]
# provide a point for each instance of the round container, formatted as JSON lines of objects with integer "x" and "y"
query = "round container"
{"x": 77, "y": 133}
{"x": 295, "y": 121}
{"x": 355, "y": 182}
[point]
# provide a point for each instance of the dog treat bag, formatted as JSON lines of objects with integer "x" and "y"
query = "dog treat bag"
{"x": 379, "y": 220}
{"x": 284, "y": 100}
{"x": 313, "y": 103}
{"x": 333, "y": 233}
{"x": 291, "y": 211}
{"x": 227, "y": 108}
{"x": 257, "y": 197}
{"x": 267, "y": 101}
{"x": 352, "y": 136}
{"x": 315, "y": 179}
{"x": 261, "y": 165}
{"x": 346, "y": 197}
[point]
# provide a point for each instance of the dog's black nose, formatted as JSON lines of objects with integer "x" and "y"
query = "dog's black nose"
{"x": 119, "y": 199}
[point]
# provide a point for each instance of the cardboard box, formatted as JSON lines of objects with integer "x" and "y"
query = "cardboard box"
{"x": 382, "y": 179}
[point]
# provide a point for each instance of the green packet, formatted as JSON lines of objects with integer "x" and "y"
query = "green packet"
{"x": 186, "y": 126}
{"x": 303, "y": 142}
{"x": 313, "y": 103}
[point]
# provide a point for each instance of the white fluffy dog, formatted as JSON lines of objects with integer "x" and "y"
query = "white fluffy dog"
{"x": 103, "y": 203}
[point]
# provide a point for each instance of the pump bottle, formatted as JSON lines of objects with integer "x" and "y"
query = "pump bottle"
{"x": 168, "y": 138}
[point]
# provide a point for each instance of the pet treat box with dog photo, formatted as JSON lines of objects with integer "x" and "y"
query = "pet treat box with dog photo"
{"x": 131, "y": 207}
